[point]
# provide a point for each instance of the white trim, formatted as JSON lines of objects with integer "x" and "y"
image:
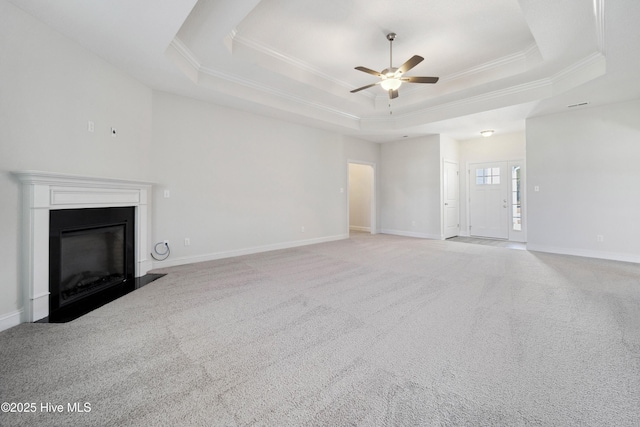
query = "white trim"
{"x": 46, "y": 191}
{"x": 518, "y": 236}
{"x": 267, "y": 50}
{"x": 514, "y": 58}
{"x": 443, "y": 195}
{"x": 246, "y": 251}
{"x": 373, "y": 221}
{"x": 598, "y": 10}
{"x": 10, "y": 320}
{"x": 411, "y": 234}
{"x": 194, "y": 62}
{"x": 358, "y": 228}
{"x": 613, "y": 256}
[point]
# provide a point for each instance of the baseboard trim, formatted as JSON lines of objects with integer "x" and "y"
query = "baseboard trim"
{"x": 10, "y": 320}
{"x": 612, "y": 256}
{"x": 411, "y": 234}
{"x": 359, "y": 228}
{"x": 245, "y": 251}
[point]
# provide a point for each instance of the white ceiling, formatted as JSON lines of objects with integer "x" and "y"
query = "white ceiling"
{"x": 499, "y": 61}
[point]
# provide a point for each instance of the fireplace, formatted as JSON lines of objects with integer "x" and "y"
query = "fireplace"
{"x": 91, "y": 253}
{"x": 48, "y": 194}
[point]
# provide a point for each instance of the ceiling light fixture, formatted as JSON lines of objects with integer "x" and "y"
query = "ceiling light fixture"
{"x": 390, "y": 82}
{"x": 486, "y": 133}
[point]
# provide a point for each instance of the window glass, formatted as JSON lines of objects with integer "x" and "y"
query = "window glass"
{"x": 516, "y": 203}
{"x": 488, "y": 176}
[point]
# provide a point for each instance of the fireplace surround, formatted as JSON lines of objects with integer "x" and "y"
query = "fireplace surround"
{"x": 44, "y": 192}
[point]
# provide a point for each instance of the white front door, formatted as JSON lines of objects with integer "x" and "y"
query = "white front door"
{"x": 451, "y": 200}
{"x": 489, "y": 200}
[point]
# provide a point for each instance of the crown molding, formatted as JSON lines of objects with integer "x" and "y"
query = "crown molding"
{"x": 514, "y": 58}
{"x": 598, "y": 10}
{"x": 287, "y": 59}
{"x": 457, "y": 104}
{"x": 591, "y": 65}
{"x": 272, "y": 91}
{"x": 186, "y": 53}
{"x": 586, "y": 64}
{"x": 194, "y": 62}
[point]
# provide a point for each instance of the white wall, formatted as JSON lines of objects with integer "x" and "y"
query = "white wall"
{"x": 499, "y": 148}
{"x": 410, "y": 187}
{"x": 242, "y": 183}
{"x": 585, "y": 163}
{"x": 50, "y": 88}
{"x": 360, "y": 196}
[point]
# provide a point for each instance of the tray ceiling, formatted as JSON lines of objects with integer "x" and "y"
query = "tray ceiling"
{"x": 499, "y": 61}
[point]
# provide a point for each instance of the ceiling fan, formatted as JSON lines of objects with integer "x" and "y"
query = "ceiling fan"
{"x": 391, "y": 78}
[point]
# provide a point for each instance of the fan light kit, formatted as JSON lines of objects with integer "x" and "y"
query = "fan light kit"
{"x": 486, "y": 133}
{"x": 392, "y": 78}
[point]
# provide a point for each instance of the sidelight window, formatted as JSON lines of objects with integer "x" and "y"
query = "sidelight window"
{"x": 516, "y": 201}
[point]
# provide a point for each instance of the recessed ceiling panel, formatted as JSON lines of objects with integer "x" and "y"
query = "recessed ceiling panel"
{"x": 337, "y": 35}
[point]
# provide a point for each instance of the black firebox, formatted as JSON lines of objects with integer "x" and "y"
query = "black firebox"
{"x": 91, "y": 256}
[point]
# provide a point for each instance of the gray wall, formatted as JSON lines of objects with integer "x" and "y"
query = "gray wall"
{"x": 49, "y": 89}
{"x": 410, "y": 187}
{"x": 585, "y": 163}
{"x": 241, "y": 183}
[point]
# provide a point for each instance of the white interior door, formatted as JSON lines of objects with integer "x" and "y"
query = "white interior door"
{"x": 489, "y": 200}
{"x": 451, "y": 185}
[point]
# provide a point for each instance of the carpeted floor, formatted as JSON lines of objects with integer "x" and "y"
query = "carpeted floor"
{"x": 373, "y": 331}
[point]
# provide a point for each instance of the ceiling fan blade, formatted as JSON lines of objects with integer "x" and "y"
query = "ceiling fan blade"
{"x": 412, "y": 62}
{"x": 420, "y": 79}
{"x": 368, "y": 70}
{"x": 365, "y": 87}
{"x": 393, "y": 93}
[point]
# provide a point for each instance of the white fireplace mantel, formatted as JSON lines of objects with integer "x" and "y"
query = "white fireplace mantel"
{"x": 46, "y": 191}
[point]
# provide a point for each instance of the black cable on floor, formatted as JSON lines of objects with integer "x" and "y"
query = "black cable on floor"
{"x": 163, "y": 255}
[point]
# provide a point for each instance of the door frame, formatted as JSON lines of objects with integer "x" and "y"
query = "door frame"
{"x": 442, "y": 212}
{"x": 514, "y": 236}
{"x": 373, "y": 213}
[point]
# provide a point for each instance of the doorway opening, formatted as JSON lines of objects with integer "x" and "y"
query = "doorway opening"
{"x": 361, "y": 211}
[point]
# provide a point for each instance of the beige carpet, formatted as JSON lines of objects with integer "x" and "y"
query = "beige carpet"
{"x": 372, "y": 331}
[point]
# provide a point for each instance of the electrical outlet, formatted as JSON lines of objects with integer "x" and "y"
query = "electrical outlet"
{"x": 600, "y": 238}
{"x": 302, "y": 229}
{"x": 187, "y": 241}
{"x": 113, "y": 132}
{"x": 90, "y": 126}
{"x": 166, "y": 242}
{"x": 167, "y": 194}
